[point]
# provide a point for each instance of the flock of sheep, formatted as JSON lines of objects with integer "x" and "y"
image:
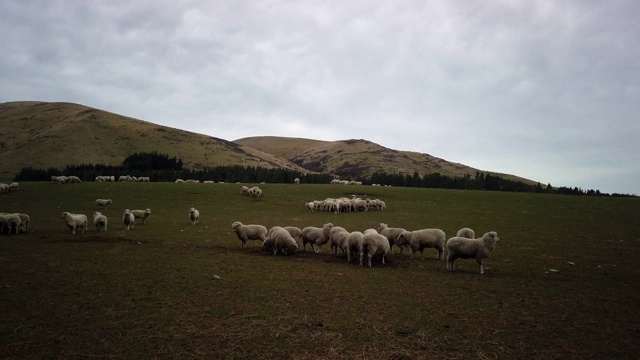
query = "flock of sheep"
{"x": 6, "y": 188}
{"x": 372, "y": 243}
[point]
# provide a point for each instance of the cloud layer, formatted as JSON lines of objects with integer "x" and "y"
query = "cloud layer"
{"x": 545, "y": 90}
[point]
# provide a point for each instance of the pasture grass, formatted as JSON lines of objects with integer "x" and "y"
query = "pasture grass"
{"x": 168, "y": 289}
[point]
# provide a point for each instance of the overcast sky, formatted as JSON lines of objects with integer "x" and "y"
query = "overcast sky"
{"x": 547, "y": 90}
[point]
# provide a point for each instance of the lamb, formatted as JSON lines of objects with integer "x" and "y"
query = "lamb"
{"x": 391, "y": 234}
{"x": 75, "y": 221}
{"x": 102, "y": 203}
{"x": 316, "y": 236}
{"x": 338, "y": 236}
{"x": 128, "y": 219}
{"x": 249, "y": 232}
{"x": 479, "y": 249}
{"x": 100, "y": 221}
{"x": 194, "y": 215}
{"x": 374, "y": 244}
{"x": 466, "y": 233}
{"x": 10, "y": 221}
{"x": 141, "y": 214}
{"x": 282, "y": 241}
{"x": 418, "y": 240}
{"x": 354, "y": 244}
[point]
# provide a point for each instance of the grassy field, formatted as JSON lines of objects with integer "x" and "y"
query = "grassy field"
{"x": 168, "y": 289}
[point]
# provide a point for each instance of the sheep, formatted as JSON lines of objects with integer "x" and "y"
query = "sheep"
{"x": 128, "y": 219}
{"x": 310, "y": 206}
{"x": 141, "y": 214}
{"x": 14, "y": 186}
{"x": 73, "y": 179}
{"x": 374, "y": 244}
{"x": 249, "y": 232}
{"x": 102, "y": 203}
{"x": 296, "y": 234}
{"x": 296, "y": 181}
{"x": 194, "y": 215}
{"x": 4, "y": 188}
{"x": 338, "y": 236}
{"x": 100, "y": 221}
{"x": 10, "y": 221}
{"x": 244, "y": 190}
{"x": 391, "y": 234}
{"x": 466, "y": 233}
{"x": 282, "y": 241}
{"x": 354, "y": 244}
{"x": 418, "y": 240}
{"x": 479, "y": 249}
{"x": 75, "y": 221}
{"x": 254, "y": 192}
{"x": 316, "y": 236}
{"x": 24, "y": 222}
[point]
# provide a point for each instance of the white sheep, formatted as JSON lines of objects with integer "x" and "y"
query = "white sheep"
{"x": 254, "y": 192}
{"x": 244, "y": 190}
{"x": 373, "y": 244}
{"x": 73, "y": 179}
{"x": 4, "y": 188}
{"x": 310, "y": 206}
{"x": 194, "y": 216}
{"x": 418, "y": 240}
{"x": 102, "y": 203}
{"x": 282, "y": 241}
{"x": 296, "y": 181}
{"x": 296, "y": 234}
{"x": 141, "y": 214}
{"x": 466, "y": 233}
{"x": 249, "y": 232}
{"x": 391, "y": 234}
{"x": 354, "y": 244}
{"x": 479, "y": 249}
{"x": 316, "y": 236}
{"x": 75, "y": 221}
{"x": 128, "y": 219}
{"x": 14, "y": 186}
{"x": 100, "y": 221}
{"x": 338, "y": 236}
{"x": 10, "y": 221}
{"x": 25, "y": 219}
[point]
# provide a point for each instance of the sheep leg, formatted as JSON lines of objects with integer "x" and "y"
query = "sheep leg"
{"x": 479, "y": 261}
{"x": 369, "y": 259}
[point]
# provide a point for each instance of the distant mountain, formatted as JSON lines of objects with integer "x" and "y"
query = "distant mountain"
{"x": 43, "y": 135}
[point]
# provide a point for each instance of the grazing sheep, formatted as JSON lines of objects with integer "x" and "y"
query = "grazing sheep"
{"x": 14, "y": 186}
{"x": 10, "y": 221}
{"x": 244, "y": 190}
{"x": 391, "y": 234}
{"x": 316, "y": 236}
{"x": 296, "y": 181}
{"x": 296, "y": 234}
{"x": 141, "y": 214}
{"x": 338, "y": 236}
{"x": 24, "y": 222}
{"x": 128, "y": 219}
{"x": 418, "y": 240}
{"x": 374, "y": 244}
{"x": 479, "y": 249}
{"x": 75, "y": 221}
{"x": 354, "y": 244}
{"x": 310, "y": 206}
{"x": 100, "y": 221}
{"x": 194, "y": 215}
{"x": 102, "y": 203}
{"x": 249, "y": 232}
{"x": 4, "y": 188}
{"x": 466, "y": 233}
{"x": 282, "y": 241}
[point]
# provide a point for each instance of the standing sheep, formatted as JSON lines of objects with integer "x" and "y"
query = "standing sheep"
{"x": 354, "y": 244}
{"x": 194, "y": 216}
{"x": 141, "y": 214}
{"x": 102, "y": 203}
{"x": 282, "y": 241}
{"x": 249, "y": 232}
{"x": 391, "y": 234}
{"x": 316, "y": 236}
{"x": 75, "y": 221}
{"x": 479, "y": 249}
{"x": 338, "y": 236}
{"x": 100, "y": 221}
{"x": 374, "y": 244}
{"x": 418, "y": 240}
{"x": 466, "y": 233}
{"x": 10, "y": 221}
{"x": 254, "y": 192}
{"x": 128, "y": 219}
{"x": 24, "y": 222}
{"x": 296, "y": 234}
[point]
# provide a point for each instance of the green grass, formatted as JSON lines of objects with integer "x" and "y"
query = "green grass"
{"x": 152, "y": 292}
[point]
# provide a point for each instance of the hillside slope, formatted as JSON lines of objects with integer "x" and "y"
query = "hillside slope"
{"x": 43, "y": 135}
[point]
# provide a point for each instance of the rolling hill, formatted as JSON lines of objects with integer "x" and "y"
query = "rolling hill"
{"x": 43, "y": 135}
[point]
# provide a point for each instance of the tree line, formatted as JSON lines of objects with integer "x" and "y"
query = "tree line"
{"x": 162, "y": 168}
